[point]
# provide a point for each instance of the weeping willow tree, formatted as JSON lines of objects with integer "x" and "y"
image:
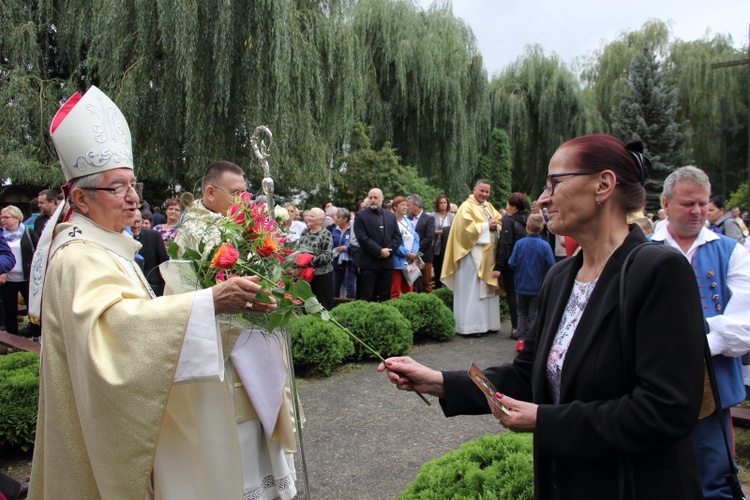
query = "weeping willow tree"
{"x": 538, "y": 101}
{"x": 193, "y": 78}
{"x": 30, "y": 91}
{"x": 700, "y": 90}
{"x": 201, "y": 75}
{"x": 425, "y": 87}
{"x": 606, "y": 69}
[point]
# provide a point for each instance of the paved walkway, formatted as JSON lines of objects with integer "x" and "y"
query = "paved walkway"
{"x": 365, "y": 440}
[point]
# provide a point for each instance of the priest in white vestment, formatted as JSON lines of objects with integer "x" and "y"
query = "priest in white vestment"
{"x": 255, "y": 363}
{"x": 468, "y": 263}
{"x": 114, "y": 356}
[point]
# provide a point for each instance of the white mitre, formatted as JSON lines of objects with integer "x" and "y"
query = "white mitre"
{"x": 90, "y": 135}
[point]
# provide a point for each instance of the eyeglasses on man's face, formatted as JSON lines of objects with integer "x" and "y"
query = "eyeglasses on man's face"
{"x": 552, "y": 181}
{"x": 232, "y": 194}
{"x": 122, "y": 190}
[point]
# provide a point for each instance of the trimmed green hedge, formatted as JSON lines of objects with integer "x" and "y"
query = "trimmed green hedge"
{"x": 19, "y": 398}
{"x": 318, "y": 347}
{"x": 381, "y": 327}
{"x": 492, "y": 467}
{"x": 428, "y": 315}
{"x": 446, "y": 295}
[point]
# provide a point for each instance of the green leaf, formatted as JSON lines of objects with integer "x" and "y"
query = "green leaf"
{"x": 312, "y": 306}
{"x": 173, "y": 249}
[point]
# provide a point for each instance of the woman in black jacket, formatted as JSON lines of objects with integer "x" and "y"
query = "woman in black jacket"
{"x": 612, "y": 405}
{"x": 22, "y": 241}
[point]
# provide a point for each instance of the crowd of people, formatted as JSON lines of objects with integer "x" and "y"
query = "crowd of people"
{"x": 150, "y": 394}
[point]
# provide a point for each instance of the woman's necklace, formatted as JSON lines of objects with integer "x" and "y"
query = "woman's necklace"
{"x": 599, "y": 270}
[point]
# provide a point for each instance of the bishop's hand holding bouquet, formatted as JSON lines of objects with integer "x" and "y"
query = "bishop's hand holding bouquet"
{"x": 249, "y": 242}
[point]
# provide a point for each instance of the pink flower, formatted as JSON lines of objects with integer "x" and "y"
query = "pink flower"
{"x": 246, "y": 197}
{"x": 226, "y": 257}
{"x": 236, "y": 214}
{"x": 223, "y": 276}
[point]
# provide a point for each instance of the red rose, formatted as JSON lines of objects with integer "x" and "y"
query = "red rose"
{"x": 307, "y": 273}
{"x": 226, "y": 257}
{"x": 304, "y": 259}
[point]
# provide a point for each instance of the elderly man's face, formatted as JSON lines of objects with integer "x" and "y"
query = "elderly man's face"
{"x": 106, "y": 209}
{"x": 137, "y": 223}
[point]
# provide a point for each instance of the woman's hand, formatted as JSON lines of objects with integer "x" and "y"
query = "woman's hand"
{"x": 438, "y": 231}
{"x": 407, "y": 374}
{"x": 3, "y": 278}
{"x": 522, "y": 417}
{"x": 341, "y": 249}
{"x": 496, "y": 274}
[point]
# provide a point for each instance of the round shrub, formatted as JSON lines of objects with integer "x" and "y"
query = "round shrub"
{"x": 318, "y": 347}
{"x": 428, "y": 315}
{"x": 19, "y": 396}
{"x": 381, "y": 327}
{"x": 446, "y": 295}
{"x": 493, "y": 466}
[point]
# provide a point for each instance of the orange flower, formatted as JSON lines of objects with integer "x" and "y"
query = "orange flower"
{"x": 226, "y": 257}
{"x": 268, "y": 247}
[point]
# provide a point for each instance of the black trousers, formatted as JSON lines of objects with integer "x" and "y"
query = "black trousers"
{"x": 9, "y": 293}
{"x": 322, "y": 287}
{"x": 376, "y": 284}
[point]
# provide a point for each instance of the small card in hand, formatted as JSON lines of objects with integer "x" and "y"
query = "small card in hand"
{"x": 487, "y": 388}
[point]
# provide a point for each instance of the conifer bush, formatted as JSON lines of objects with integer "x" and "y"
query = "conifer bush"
{"x": 492, "y": 467}
{"x": 318, "y": 347}
{"x": 19, "y": 395}
{"x": 381, "y": 327}
{"x": 430, "y": 318}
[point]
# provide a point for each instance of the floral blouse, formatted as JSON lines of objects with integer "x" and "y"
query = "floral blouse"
{"x": 579, "y": 297}
{"x": 319, "y": 244}
{"x": 167, "y": 234}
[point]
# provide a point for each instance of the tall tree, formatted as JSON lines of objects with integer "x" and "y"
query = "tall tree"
{"x": 497, "y": 167}
{"x": 700, "y": 90}
{"x": 539, "y": 102}
{"x": 648, "y": 110}
{"x": 425, "y": 87}
{"x": 603, "y": 71}
{"x": 365, "y": 168}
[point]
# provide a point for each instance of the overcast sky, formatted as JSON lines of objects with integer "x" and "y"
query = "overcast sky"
{"x": 576, "y": 27}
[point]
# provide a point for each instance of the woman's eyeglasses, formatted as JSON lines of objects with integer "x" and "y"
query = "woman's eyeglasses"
{"x": 552, "y": 181}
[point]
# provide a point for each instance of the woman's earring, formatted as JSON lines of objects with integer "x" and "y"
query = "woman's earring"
{"x": 598, "y": 204}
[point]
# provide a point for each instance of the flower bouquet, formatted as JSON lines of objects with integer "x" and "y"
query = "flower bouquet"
{"x": 250, "y": 242}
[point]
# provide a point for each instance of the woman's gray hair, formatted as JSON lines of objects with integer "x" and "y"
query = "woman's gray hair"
{"x": 13, "y": 211}
{"x": 690, "y": 174}
{"x": 318, "y": 213}
{"x": 342, "y": 212}
{"x": 86, "y": 183}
